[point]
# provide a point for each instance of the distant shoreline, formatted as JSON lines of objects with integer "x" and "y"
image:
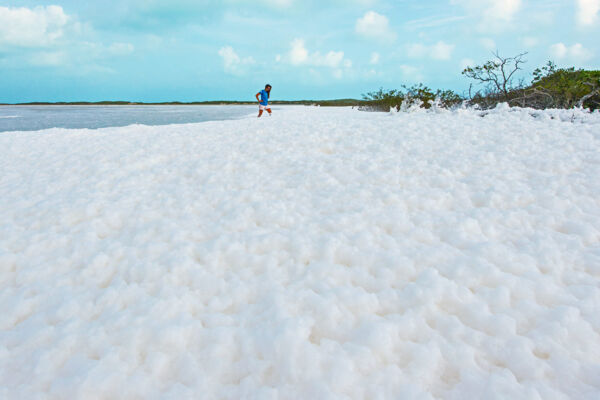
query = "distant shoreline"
{"x": 337, "y": 102}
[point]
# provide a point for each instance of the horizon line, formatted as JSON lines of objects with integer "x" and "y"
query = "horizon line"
{"x": 175, "y": 102}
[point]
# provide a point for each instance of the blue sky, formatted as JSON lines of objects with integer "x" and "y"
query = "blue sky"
{"x": 151, "y": 50}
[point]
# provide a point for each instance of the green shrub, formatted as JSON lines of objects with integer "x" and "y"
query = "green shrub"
{"x": 565, "y": 87}
{"x": 423, "y": 96}
{"x": 551, "y": 87}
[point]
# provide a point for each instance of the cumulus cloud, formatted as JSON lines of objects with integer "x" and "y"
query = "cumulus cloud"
{"x": 279, "y": 3}
{"x": 332, "y": 59}
{"x": 466, "y": 62}
{"x": 374, "y": 58}
{"x": 575, "y": 52}
{"x": 121, "y": 49}
{"x": 31, "y": 27}
{"x": 530, "y": 41}
{"x": 587, "y": 12}
{"x": 502, "y": 9}
{"x": 488, "y": 44}
{"x": 492, "y": 14}
{"x": 438, "y": 51}
{"x": 299, "y": 55}
{"x": 374, "y": 25}
{"x": 411, "y": 73}
{"x": 232, "y": 62}
{"x": 441, "y": 51}
{"x": 45, "y": 36}
{"x": 81, "y": 55}
{"x": 416, "y": 50}
{"x": 48, "y": 59}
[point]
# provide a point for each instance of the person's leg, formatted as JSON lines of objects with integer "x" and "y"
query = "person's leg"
{"x": 269, "y": 110}
{"x": 260, "y": 111}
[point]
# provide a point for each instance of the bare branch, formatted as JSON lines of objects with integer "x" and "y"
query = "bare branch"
{"x": 587, "y": 96}
{"x": 498, "y": 75}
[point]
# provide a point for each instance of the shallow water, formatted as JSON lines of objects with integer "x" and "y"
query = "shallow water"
{"x": 33, "y": 118}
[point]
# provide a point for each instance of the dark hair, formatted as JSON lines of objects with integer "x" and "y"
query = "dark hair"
{"x": 269, "y": 92}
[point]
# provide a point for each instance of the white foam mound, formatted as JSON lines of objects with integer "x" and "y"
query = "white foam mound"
{"x": 321, "y": 253}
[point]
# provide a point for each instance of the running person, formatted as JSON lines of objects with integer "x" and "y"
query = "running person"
{"x": 263, "y": 101}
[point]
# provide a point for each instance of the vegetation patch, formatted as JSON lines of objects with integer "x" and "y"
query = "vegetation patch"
{"x": 497, "y": 81}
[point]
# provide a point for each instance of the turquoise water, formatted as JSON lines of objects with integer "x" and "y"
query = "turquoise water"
{"x": 33, "y": 118}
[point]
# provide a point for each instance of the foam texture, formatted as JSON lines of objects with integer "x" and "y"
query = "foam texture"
{"x": 321, "y": 253}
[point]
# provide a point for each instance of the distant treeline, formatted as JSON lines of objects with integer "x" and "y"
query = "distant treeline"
{"x": 324, "y": 103}
{"x": 496, "y": 81}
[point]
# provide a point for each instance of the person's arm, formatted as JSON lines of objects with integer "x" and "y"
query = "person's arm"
{"x": 257, "y": 99}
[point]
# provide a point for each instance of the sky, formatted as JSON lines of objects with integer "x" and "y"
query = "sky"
{"x": 195, "y": 50}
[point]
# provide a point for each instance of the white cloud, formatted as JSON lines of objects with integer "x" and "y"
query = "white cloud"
{"x": 411, "y": 73}
{"x": 374, "y": 25}
{"x": 374, "y": 58}
{"x": 492, "y": 14}
{"x": 232, "y": 62}
{"x": 559, "y": 50}
{"x": 488, "y": 44}
{"x": 332, "y": 59}
{"x": 299, "y": 55}
{"x": 279, "y": 3}
{"x": 575, "y": 52}
{"x": 502, "y": 9}
{"x": 121, "y": 49}
{"x": 438, "y": 51}
{"x": 433, "y": 21}
{"x": 31, "y": 27}
{"x": 530, "y": 41}
{"x": 587, "y": 11}
{"x": 78, "y": 51}
{"x": 48, "y": 59}
{"x": 416, "y": 50}
{"x": 46, "y": 36}
{"x": 441, "y": 51}
{"x": 466, "y": 62}
{"x": 579, "y": 52}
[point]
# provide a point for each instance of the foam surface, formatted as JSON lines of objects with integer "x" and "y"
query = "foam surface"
{"x": 320, "y": 253}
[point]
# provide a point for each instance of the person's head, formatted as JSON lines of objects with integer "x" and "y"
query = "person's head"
{"x": 268, "y": 88}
